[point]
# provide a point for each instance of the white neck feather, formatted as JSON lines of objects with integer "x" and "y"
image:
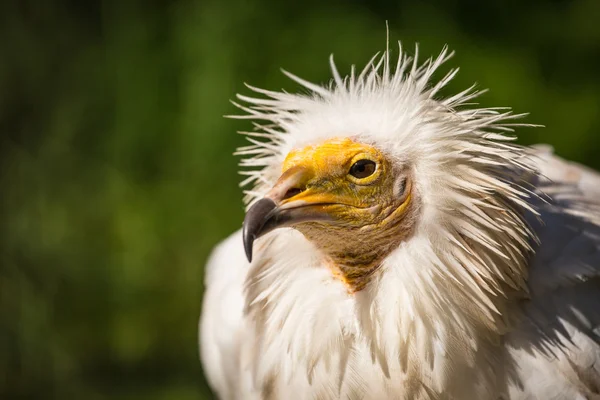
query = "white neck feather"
{"x": 413, "y": 324}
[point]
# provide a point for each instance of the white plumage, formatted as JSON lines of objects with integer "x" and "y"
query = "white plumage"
{"x": 494, "y": 293}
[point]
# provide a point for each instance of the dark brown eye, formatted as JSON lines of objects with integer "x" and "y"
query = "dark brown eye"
{"x": 363, "y": 168}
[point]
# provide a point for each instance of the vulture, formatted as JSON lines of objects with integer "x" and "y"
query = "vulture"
{"x": 399, "y": 244}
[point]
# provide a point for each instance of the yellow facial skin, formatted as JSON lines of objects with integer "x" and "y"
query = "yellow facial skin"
{"x": 367, "y": 216}
{"x": 327, "y": 175}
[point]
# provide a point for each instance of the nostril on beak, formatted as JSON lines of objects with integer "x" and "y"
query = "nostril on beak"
{"x": 292, "y": 192}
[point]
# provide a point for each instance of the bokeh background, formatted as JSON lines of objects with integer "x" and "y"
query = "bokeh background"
{"x": 116, "y": 167}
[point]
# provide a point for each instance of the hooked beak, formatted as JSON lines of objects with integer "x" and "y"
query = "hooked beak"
{"x": 287, "y": 203}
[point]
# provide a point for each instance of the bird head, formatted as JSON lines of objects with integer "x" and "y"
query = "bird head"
{"x": 348, "y": 197}
{"x": 375, "y": 160}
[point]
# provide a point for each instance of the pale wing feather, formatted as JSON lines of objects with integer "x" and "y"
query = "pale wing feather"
{"x": 222, "y": 328}
{"x": 559, "y": 170}
{"x": 556, "y": 350}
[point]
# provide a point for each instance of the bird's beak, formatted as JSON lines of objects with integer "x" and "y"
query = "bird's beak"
{"x": 289, "y": 202}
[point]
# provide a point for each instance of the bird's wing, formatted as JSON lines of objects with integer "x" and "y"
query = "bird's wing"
{"x": 569, "y": 230}
{"x": 222, "y": 323}
{"x": 556, "y": 349}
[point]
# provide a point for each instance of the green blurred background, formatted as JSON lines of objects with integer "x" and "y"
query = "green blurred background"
{"x": 116, "y": 166}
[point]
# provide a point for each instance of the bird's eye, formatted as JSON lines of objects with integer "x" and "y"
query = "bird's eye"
{"x": 363, "y": 168}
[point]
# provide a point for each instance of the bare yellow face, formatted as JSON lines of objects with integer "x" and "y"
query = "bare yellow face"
{"x": 334, "y": 159}
{"x": 348, "y": 198}
{"x": 353, "y": 182}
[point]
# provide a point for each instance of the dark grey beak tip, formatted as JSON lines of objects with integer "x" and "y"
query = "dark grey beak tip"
{"x": 256, "y": 217}
{"x": 248, "y": 247}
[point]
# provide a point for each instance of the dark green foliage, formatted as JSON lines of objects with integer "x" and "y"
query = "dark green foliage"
{"x": 116, "y": 166}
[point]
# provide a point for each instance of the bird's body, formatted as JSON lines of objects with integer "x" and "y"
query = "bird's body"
{"x": 447, "y": 264}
